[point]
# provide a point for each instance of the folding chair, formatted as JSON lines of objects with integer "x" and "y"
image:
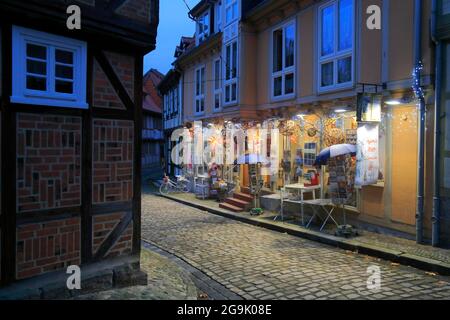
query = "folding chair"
{"x": 284, "y": 195}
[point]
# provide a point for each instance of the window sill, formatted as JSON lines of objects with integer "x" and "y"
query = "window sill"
{"x": 50, "y": 102}
{"x": 230, "y": 104}
{"x": 283, "y": 98}
{"x": 336, "y": 88}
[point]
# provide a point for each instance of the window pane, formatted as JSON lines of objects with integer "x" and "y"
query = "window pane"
{"x": 228, "y": 63}
{"x": 64, "y": 56}
{"x": 217, "y": 75}
{"x": 217, "y": 101}
{"x": 197, "y": 83}
{"x": 327, "y": 74}
{"x": 234, "y": 92}
{"x": 277, "y": 86}
{"x": 202, "y": 105}
{"x": 289, "y": 84}
{"x": 289, "y": 45}
{"x": 234, "y": 70}
{"x": 328, "y": 30}
{"x": 345, "y": 70}
{"x": 277, "y": 50}
{"x": 35, "y": 51}
{"x": 64, "y": 72}
{"x": 36, "y": 83}
{"x": 197, "y": 106}
{"x": 229, "y": 13}
{"x": 227, "y": 94}
{"x": 36, "y": 67}
{"x": 63, "y": 86}
{"x": 345, "y": 24}
{"x": 202, "y": 89}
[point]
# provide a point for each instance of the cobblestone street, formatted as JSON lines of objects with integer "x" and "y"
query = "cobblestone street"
{"x": 255, "y": 263}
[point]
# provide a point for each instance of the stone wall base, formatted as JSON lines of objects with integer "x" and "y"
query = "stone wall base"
{"x": 105, "y": 275}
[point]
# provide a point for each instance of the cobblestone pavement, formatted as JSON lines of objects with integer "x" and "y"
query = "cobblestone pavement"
{"x": 166, "y": 281}
{"x": 257, "y": 263}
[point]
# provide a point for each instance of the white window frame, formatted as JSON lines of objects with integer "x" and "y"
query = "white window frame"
{"x": 229, "y": 4}
{"x": 202, "y": 35}
{"x": 284, "y": 70}
{"x": 217, "y": 84}
{"x": 336, "y": 55}
{"x": 22, "y": 95}
{"x": 228, "y": 83}
{"x": 200, "y": 97}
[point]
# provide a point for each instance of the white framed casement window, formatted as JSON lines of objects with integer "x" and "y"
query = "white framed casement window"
{"x": 200, "y": 90}
{"x": 283, "y": 60}
{"x": 336, "y": 45}
{"x": 48, "y": 70}
{"x": 231, "y": 10}
{"x": 231, "y": 73}
{"x": 217, "y": 84}
{"x": 203, "y": 29}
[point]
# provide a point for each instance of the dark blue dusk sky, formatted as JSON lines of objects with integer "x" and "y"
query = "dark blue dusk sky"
{"x": 173, "y": 24}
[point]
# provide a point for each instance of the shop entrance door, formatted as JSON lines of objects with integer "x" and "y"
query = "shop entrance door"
{"x": 404, "y": 163}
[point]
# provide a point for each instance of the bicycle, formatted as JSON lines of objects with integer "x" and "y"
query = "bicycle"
{"x": 169, "y": 186}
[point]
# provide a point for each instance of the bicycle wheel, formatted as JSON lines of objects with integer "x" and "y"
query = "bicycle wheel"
{"x": 184, "y": 186}
{"x": 164, "y": 189}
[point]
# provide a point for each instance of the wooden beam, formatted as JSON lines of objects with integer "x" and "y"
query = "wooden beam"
{"x": 138, "y": 85}
{"x": 8, "y": 157}
{"x": 86, "y": 174}
{"x": 114, "y": 79}
{"x": 112, "y": 238}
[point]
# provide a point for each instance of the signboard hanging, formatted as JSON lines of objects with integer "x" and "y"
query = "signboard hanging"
{"x": 367, "y": 157}
{"x": 369, "y": 107}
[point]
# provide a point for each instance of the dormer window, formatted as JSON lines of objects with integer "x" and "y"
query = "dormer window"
{"x": 203, "y": 27}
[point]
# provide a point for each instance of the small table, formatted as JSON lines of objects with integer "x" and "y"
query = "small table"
{"x": 323, "y": 204}
{"x": 301, "y": 189}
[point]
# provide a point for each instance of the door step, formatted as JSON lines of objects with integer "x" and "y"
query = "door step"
{"x": 230, "y": 207}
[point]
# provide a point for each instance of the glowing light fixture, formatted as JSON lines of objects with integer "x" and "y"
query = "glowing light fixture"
{"x": 393, "y": 102}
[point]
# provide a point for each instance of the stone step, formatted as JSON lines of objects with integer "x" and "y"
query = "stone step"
{"x": 246, "y": 190}
{"x": 238, "y": 203}
{"x": 230, "y": 207}
{"x": 243, "y": 196}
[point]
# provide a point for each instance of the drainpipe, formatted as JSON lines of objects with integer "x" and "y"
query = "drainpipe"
{"x": 437, "y": 131}
{"x": 421, "y": 148}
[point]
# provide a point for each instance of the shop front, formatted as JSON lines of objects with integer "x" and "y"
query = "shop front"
{"x": 382, "y": 161}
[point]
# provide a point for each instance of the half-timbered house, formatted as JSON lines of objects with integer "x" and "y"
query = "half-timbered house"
{"x": 71, "y": 104}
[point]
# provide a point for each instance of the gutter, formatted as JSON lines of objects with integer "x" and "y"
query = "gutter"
{"x": 417, "y": 86}
{"x": 436, "y": 223}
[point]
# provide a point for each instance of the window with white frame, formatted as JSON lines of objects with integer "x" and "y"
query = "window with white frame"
{"x": 336, "y": 43}
{"x": 231, "y": 69}
{"x": 48, "y": 69}
{"x": 200, "y": 90}
{"x": 203, "y": 27}
{"x": 231, "y": 10}
{"x": 217, "y": 84}
{"x": 218, "y": 16}
{"x": 283, "y": 71}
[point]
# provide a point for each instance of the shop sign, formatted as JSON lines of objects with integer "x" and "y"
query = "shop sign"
{"x": 367, "y": 157}
{"x": 369, "y": 107}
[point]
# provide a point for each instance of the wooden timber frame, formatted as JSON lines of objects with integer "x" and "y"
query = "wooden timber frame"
{"x": 126, "y": 38}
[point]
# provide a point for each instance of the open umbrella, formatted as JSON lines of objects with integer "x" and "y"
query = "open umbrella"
{"x": 251, "y": 159}
{"x": 334, "y": 151}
